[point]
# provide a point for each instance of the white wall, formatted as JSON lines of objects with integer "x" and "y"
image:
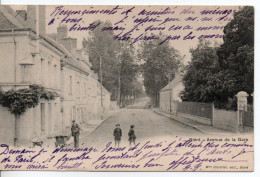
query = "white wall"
{"x": 6, "y": 126}
{"x": 29, "y": 122}
{"x": 225, "y": 119}
{"x": 176, "y": 92}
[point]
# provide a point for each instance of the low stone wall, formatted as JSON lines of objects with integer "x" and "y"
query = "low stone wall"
{"x": 203, "y": 120}
{"x": 225, "y": 119}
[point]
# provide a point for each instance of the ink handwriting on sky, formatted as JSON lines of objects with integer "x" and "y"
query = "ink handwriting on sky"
{"x": 138, "y": 23}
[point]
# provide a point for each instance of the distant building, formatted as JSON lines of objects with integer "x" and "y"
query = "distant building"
{"x": 171, "y": 94}
{"x": 57, "y": 65}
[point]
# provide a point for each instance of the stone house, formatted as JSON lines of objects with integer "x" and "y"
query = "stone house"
{"x": 28, "y": 59}
{"x": 171, "y": 94}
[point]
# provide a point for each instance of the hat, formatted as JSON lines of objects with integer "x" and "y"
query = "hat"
{"x": 117, "y": 124}
{"x": 132, "y": 126}
{"x": 73, "y": 121}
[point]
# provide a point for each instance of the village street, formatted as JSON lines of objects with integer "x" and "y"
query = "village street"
{"x": 147, "y": 126}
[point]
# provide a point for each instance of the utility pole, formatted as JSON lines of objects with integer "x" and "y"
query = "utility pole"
{"x": 101, "y": 87}
{"x": 119, "y": 89}
{"x": 132, "y": 96}
{"x": 119, "y": 80}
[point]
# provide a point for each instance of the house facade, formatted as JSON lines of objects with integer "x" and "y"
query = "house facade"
{"x": 170, "y": 94}
{"x": 29, "y": 58}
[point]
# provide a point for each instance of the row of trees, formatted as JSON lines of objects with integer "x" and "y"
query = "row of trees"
{"x": 217, "y": 73}
{"x": 160, "y": 62}
{"x": 117, "y": 60}
{"x": 127, "y": 71}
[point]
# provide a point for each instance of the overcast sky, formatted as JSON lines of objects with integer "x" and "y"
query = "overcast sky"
{"x": 182, "y": 45}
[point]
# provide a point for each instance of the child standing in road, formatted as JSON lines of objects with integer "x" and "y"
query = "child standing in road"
{"x": 131, "y": 135}
{"x": 117, "y": 134}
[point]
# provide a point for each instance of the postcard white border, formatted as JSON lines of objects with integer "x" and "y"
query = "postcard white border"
{"x": 162, "y": 174}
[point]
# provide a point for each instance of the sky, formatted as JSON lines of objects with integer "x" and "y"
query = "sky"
{"x": 187, "y": 15}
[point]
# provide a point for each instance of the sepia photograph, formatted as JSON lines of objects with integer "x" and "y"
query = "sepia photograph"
{"x": 126, "y": 88}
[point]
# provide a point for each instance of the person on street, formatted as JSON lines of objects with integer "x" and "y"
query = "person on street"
{"x": 75, "y": 131}
{"x": 117, "y": 134}
{"x": 131, "y": 135}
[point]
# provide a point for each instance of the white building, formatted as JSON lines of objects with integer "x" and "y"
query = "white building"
{"x": 170, "y": 94}
{"x": 25, "y": 60}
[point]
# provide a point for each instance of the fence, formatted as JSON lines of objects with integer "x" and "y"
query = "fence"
{"x": 194, "y": 108}
{"x": 206, "y": 114}
{"x": 248, "y": 116}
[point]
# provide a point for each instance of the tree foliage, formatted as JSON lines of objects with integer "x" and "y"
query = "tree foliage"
{"x": 18, "y": 101}
{"x": 160, "y": 63}
{"x": 236, "y": 54}
{"x": 217, "y": 74}
{"x": 128, "y": 69}
{"x": 101, "y": 45}
{"x": 118, "y": 60}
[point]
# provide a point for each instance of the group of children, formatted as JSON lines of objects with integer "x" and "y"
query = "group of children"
{"x": 118, "y": 134}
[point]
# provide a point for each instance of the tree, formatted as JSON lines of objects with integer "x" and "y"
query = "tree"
{"x": 160, "y": 62}
{"x": 236, "y": 54}
{"x": 200, "y": 80}
{"x": 128, "y": 71}
{"x": 218, "y": 74}
{"x": 100, "y": 44}
{"x": 118, "y": 61}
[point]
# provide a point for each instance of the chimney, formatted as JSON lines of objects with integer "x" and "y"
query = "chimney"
{"x": 84, "y": 54}
{"x": 69, "y": 43}
{"x": 62, "y": 32}
{"x": 22, "y": 14}
{"x": 31, "y": 18}
{"x": 62, "y": 38}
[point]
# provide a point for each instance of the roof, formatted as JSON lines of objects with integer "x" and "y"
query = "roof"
{"x": 9, "y": 18}
{"x": 174, "y": 82}
{"x": 79, "y": 56}
{"x": 9, "y": 21}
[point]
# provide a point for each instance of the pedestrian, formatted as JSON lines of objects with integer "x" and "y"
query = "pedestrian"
{"x": 131, "y": 135}
{"x": 117, "y": 134}
{"x": 75, "y": 131}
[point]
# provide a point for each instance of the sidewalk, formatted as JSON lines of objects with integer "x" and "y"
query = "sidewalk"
{"x": 92, "y": 125}
{"x": 87, "y": 128}
{"x": 207, "y": 129}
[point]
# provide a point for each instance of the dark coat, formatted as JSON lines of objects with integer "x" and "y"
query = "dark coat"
{"x": 117, "y": 134}
{"x": 75, "y": 129}
{"x": 131, "y": 135}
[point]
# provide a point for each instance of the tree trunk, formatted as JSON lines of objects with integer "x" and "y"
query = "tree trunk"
{"x": 16, "y": 125}
{"x": 156, "y": 99}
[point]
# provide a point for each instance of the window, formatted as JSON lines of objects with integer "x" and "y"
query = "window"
{"x": 26, "y": 72}
{"x": 74, "y": 113}
{"x": 50, "y": 117}
{"x": 85, "y": 90}
{"x": 49, "y": 74}
{"x": 56, "y": 116}
{"x": 42, "y": 72}
{"x": 55, "y": 76}
{"x": 42, "y": 116}
{"x": 70, "y": 91}
{"x": 78, "y": 89}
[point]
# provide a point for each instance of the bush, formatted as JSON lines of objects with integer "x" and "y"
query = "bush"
{"x": 18, "y": 101}
{"x": 231, "y": 104}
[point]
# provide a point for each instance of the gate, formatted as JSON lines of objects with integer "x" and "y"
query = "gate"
{"x": 248, "y": 116}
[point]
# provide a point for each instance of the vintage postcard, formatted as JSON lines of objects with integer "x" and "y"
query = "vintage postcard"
{"x": 126, "y": 88}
